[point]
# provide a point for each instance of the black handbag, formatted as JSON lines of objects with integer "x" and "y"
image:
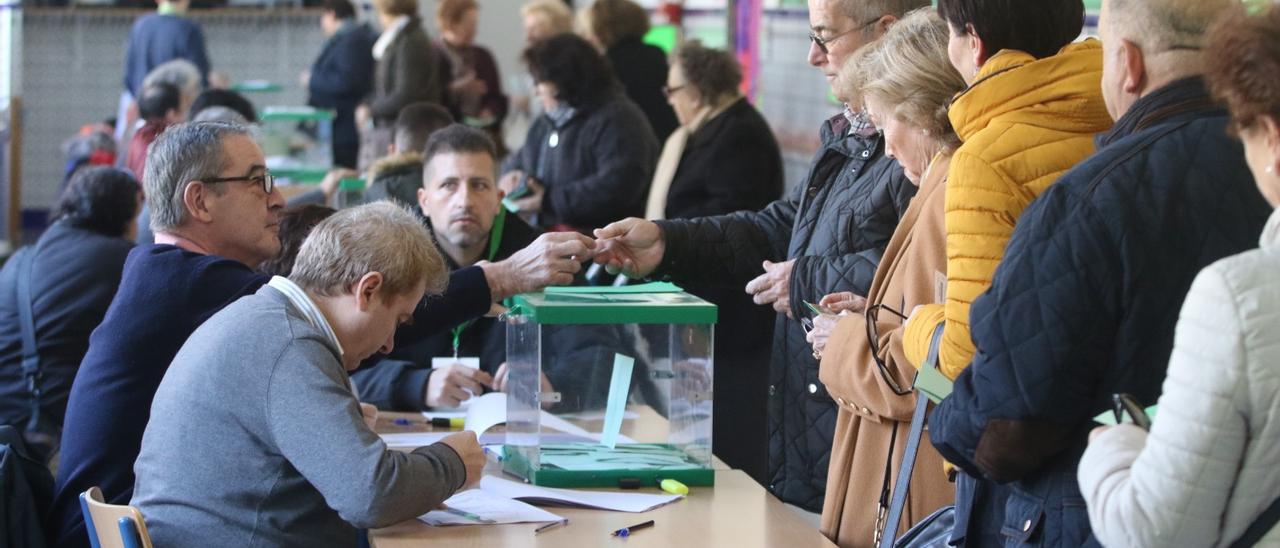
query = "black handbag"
{"x": 934, "y": 530}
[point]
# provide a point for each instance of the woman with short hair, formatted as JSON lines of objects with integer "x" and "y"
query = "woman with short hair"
{"x": 723, "y": 158}
{"x": 474, "y": 83}
{"x": 71, "y": 275}
{"x": 1208, "y": 468}
{"x": 588, "y": 159}
{"x": 905, "y": 82}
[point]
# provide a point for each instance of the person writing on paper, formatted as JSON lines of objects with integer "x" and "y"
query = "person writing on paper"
{"x": 905, "y": 81}
{"x": 265, "y": 379}
{"x": 463, "y": 206}
{"x": 1208, "y": 468}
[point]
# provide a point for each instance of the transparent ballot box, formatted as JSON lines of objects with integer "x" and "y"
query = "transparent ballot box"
{"x": 610, "y": 387}
{"x": 298, "y": 142}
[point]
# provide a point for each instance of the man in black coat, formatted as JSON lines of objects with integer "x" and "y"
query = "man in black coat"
{"x": 342, "y": 75}
{"x": 1085, "y": 302}
{"x": 828, "y": 236}
{"x": 462, "y": 204}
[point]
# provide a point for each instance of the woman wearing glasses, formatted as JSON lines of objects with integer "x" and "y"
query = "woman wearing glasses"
{"x": 905, "y": 82}
{"x": 1208, "y": 469}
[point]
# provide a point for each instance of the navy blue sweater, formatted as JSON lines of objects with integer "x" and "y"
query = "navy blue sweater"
{"x": 156, "y": 39}
{"x": 165, "y": 294}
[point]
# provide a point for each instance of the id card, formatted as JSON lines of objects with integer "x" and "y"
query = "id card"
{"x": 437, "y": 363}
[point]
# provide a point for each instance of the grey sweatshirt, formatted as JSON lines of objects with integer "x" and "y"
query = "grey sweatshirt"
{"x": 255, "y": 439}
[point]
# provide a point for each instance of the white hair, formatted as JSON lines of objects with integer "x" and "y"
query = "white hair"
{"x": 1159, "y": 26}
{"x": 181, "y": 73}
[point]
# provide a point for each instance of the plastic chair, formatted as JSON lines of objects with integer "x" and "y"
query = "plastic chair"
{"x": 111, "y": 525}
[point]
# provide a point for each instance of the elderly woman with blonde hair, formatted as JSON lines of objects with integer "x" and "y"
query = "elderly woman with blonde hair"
{"x": 905, "y": 82}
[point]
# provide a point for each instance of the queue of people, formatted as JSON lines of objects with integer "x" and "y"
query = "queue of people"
{"x": 1057, "y": 225}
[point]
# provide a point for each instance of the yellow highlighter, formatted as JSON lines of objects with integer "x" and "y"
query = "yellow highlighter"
{"x": 674, "y": 487}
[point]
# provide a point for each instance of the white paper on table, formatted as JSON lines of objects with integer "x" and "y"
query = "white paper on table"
{"x": 487, "y": 509}
{"x": 408, "y": 441}
{"x": 602, "y": 500}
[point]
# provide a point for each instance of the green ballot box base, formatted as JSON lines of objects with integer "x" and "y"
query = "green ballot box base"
{"x": 595, "y": 471}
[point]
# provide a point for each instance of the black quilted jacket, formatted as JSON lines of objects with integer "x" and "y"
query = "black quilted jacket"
{"x": 1085, "y": 303}
{"x": 835, "y": 225}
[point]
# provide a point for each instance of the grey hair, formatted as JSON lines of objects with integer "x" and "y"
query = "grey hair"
{"x": 219, "y": 113}
{"x": 183, "y": 74}
{"x": 378, "y": 237}
{"x": 183, "y": 153}
{"x": 908, "y": 68}
{"x": 1161, "y": 25}
{"x": 862, "y": 10}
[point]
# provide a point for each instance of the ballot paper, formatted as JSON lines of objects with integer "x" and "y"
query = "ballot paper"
{"x": 479, "y": 507}
{"x": 619, "y": 389}
{"x": 600, "y": 500}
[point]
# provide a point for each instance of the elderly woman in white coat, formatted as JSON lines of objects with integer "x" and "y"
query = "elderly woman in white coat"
{"x": 1211, "y": 464}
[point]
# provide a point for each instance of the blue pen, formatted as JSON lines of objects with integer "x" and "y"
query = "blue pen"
{"x": 402, "y": 422}
{"x": 626, "y": 531}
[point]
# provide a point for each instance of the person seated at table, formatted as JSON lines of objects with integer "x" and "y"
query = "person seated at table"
{"x": 71, "y": 274}
{"x": 398, "y": 175}
{"x": 216, "y": 213}
{"x": 265, "y": 379}
{"x": 463, "y": 206}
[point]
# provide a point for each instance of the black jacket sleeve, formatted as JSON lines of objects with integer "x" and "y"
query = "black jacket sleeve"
{"x": 727, "y": 250}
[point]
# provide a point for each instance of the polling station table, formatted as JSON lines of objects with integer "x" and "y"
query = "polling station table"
{"x": 737, "y": 512}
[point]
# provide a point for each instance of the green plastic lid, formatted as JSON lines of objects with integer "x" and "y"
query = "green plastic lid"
{"x": 301, "y": 175}
{"x": 295, "y": 114}
{"x": 662, "y": 304}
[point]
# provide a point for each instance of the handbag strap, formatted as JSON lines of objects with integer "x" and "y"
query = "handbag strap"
{"x": 31, "y": 370}
{"x": 1260, "y": 527}
{"x": 896, "y": 507}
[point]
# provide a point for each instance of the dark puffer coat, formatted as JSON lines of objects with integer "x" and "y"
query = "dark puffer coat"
{"x": 835, "y": 225}
{"x": 1084, "y": 306}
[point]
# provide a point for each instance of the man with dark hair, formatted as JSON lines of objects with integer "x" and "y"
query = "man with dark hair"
{"x": 462, "y": 204}
{"x": 398, "y": 176}
{"x": 160, "y": 107}
{"x": 342, "y": 75}
{"x": 827, "y": 237}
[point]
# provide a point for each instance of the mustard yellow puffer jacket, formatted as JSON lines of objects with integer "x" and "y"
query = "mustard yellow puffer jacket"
{"x": 1024, "y": 122}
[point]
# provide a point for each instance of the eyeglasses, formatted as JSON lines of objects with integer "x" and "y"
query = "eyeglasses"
{"x": 1125, "y": 405}
{"x": 822, "y": 43}
{"x": 873, "y": 339}
{"x": 670, "y": 90}
{"x": 266, "y": 180}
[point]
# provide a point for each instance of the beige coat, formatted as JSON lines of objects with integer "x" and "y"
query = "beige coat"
{"x": 909, "y": 274}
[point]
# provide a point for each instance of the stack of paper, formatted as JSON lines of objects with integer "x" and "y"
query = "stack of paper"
{"x": 479, "y": 507}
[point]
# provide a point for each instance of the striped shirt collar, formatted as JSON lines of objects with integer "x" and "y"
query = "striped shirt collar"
{"x": 308, "y": 307}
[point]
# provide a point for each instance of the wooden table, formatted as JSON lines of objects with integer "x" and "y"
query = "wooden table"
{"x": 736, "y": 513}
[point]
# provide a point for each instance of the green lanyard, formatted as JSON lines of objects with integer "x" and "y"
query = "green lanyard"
{"x": 495, "y": 240}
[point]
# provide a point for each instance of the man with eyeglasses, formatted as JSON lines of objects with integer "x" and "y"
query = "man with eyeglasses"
{"x": 827, "y": 236}
{"x": 214, "y": 209}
